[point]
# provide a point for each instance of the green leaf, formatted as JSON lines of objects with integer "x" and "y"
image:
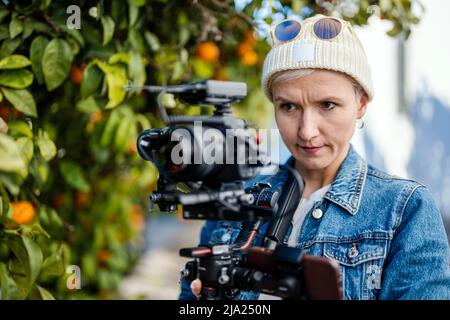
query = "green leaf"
{"x": 53, "y": 266}
{"x": 36, "y": 53}
{"x": 50, "y": 219}
{"x": 133, "y": 14}
{"x": 15, "y": 28}
{"x": 152, "y": 41}
{"x": 12, "y": 182}
{"x": 4, "y": 32}
{"x": 88, "y": 105}
{"x": 178, "y": 71}
{"x": 385, "y": 5}
{"x": 36, "y": 229}
{"x": 29, "y": 255}
{"x": 125, "y": 133}
{"x": 116, "y": 79}
{"x": 45, "y": 295}
{"x": 110, "y": 129}
{"x": 184, "y": 37}
{"x": 19, "y": 129}
{"x": 89, "y": 265}
{"x": 5, "y": 204}
{"x": 56, "y": 63}
{"x": 108, "y": 29}
{"x": 11, "y": 159}
{"x": 15, "y": 61}
{"x": 3, "y": 14}
{"x": 46, "y": 146}
{"x": 92, "y": 79}
{"x": 203, "y": 69}
{"x": 74, "y": 176}
{"x": 74, "y": 33}
{"x": 9, "y": 46}
{"x": 22, "y": 100}
{"x": 17, "y": 79}
{"x": 41, "y": 27}
{"x": 138, "y": 3}
{"x": 136, "y": 40}
{"x": 123, "y": 57}
{"x": 10, "y": 289}
{"x": 136, "y": 69}
{"x": 26, "y": 147}
{"x": 39, "y": 169}
{"x": 28, "y": 28}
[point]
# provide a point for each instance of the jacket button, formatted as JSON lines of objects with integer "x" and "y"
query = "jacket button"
{"x": 317, "y": 214}
{"x": 353, "y": 252}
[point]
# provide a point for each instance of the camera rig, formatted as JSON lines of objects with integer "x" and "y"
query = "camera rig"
{"x": 215, "y": 191}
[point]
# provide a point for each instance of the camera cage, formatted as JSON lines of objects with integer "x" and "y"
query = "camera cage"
{"x": 226, "y": 269}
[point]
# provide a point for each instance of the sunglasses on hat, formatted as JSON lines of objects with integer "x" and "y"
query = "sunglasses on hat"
{"x": 326, "y": 28}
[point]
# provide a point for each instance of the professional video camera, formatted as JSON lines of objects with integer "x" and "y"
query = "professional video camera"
{"x": 215, "y": 190}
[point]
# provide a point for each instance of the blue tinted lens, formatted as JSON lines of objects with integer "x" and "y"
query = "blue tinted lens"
{"x": 327, "y": 28}
{"x": 287, "y": 30}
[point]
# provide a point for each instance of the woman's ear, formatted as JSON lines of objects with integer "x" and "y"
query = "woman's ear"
{"x": 362, "y": 105}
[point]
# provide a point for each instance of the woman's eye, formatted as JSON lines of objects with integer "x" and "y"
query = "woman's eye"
{"x": 287, "y": 107}
{"x": 328, "y": 105}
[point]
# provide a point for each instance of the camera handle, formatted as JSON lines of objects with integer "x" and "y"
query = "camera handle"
{"x": 287, "y": 205}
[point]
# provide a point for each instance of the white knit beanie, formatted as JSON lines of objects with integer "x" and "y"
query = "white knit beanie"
{"x": 344, "y": 53}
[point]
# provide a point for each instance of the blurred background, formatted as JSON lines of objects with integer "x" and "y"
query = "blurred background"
{"x": 74, "y": 192}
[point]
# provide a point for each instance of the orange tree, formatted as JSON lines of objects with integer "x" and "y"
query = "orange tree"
{"x": 72, "y": 188}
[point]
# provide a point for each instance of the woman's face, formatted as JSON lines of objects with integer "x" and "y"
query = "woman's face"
{"x": 316, "y": 116}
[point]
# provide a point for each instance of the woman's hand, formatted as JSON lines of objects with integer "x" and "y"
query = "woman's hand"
{"x": 196, "y": 287}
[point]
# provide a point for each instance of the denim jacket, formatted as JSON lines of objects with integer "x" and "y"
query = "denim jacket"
{"x": 385, "y": 232}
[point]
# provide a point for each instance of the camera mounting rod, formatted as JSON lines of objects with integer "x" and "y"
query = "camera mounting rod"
{"x": 220, "y": 94}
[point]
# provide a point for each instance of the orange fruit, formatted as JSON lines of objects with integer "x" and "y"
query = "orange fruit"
{"x": 58, "y": 201}
{"x": 132, "y": 148}
{"x": 16, "y": 113}
{"x": 96, "y": 117}
{"x": 137, "y": 220}
{"x": 23, "y": 212}
{"x": 250, "y": 37}
{"x": 243, "y": 48}
{"x": 103, "y": 256}
{"x": 4, "y": 112}
{"x": 250, "y": 58}
{"x": 81, "y": 199}
{"x": 76, "y": 74}
{"x": 208, "y": 51}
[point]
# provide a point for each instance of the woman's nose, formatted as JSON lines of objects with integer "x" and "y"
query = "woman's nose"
{"x": 308, "y": 128}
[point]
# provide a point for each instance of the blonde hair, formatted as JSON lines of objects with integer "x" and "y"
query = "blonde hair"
{"x": 287, "y": 75}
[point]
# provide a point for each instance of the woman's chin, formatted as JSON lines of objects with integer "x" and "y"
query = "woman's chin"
{"x": 313, "y": 163}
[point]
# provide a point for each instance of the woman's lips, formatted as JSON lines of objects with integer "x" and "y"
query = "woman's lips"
{"x": 312, "y": 150}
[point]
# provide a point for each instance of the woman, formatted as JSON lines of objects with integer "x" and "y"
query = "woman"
{"x": 386, "y": 233}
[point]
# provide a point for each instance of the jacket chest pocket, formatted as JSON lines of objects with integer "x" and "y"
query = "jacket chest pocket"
{"x": 225, "y": 232}
{"x": 361, "y": 262}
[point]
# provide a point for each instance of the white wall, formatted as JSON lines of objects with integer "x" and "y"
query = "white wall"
{"x": 428, "y": 52}
{"x": 390, "y": 130}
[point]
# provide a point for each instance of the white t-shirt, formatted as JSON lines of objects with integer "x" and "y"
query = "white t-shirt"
{"x": 297, "y": 221}
{"x": 299, "y": 216}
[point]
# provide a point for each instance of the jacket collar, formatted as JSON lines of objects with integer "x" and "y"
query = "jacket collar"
{"x": 347, "y": 187}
